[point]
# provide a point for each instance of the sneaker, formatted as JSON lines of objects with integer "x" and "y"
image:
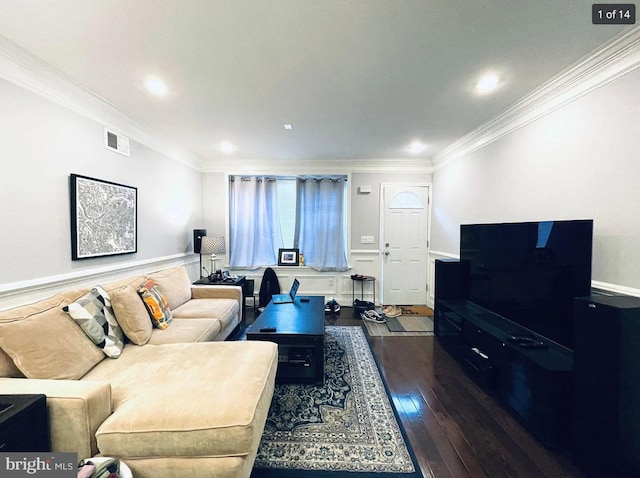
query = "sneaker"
{"x": 332, "y": 307}
{"x": 373, "y": 316}
{"x": 392, "y": 311}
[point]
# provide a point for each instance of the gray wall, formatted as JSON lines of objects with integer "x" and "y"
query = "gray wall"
{"x": 365, "y": 208}
{"x": 42, "y": 143}
{"x": 580, "y": 161}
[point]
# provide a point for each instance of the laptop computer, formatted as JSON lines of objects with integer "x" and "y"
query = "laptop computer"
{"x": 287, "y": 298}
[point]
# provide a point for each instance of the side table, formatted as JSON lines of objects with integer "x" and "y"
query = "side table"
{"x": 362, "y": 279}
{"x": 239, "y": 281}
{"x": 24, "y": 423}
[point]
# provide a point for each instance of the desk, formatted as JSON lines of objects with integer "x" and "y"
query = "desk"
{"x": 300, "y": 337}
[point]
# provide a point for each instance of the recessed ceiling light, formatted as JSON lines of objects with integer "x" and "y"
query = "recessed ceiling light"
{"x": 488, "y": 83}
{"x": 416, "y": 147}
{"x": 288, "y": 126}
{"x": 226, "y": 147}
{"x": 156, "y": 85}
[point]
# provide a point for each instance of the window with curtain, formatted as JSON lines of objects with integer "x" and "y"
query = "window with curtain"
{"x": 308, "y": 213}
{"x": 254, "y": 224}
{"x": 320, "y": 226}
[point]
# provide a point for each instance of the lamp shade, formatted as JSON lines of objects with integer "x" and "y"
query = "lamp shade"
{"x": 212, "y": 245}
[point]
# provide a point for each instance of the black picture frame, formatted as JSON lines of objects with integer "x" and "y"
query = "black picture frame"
{"x": 288, "y": 257}
{"x": 104, "y": 218}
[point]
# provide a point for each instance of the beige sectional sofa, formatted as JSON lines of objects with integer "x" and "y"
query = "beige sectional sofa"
{"x": 176, "y": 402}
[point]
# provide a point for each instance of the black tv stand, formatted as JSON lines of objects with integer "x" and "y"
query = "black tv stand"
{"x": 529, "y": 374}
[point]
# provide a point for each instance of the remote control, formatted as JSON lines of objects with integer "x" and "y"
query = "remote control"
{"x": 268, "y": 329}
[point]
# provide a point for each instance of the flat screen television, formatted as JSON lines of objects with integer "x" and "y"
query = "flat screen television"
{"x": 530, "y": 272}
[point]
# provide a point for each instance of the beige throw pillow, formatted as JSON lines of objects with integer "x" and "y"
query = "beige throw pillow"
{"x": 50, "y": 345}
{"x": 131, "y": 314}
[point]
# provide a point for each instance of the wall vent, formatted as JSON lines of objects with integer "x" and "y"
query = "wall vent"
{"x": 116, "y": 142}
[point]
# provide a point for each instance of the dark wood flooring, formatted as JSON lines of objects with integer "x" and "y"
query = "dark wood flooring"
{"x": 455, "y": 429}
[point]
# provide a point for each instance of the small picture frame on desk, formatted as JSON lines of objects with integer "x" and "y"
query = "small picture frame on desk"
{"x": 288, "y": 257}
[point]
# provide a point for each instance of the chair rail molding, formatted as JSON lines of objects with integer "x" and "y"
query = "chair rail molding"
{"x": 614, "y": 59}
{"x": 13, "y": 294}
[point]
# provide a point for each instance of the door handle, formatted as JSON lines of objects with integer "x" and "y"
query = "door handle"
{"x": 386, "y": 253}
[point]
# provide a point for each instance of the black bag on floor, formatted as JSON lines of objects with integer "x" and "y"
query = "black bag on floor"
{"x": 360, "y": 306}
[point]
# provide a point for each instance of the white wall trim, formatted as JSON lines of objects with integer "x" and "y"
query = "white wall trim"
{"x": 443, "y": 254}
{"x": 617, "y": 289}
{"x": 28, "y": 71}
{"x": 616, "y": 58}
{"x": 21, "y": 292}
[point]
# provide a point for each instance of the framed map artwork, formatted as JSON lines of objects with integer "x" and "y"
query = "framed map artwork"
{"x": 104, "y": 218}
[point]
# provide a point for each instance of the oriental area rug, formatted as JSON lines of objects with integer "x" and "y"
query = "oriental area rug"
{"x": 346, "y": 427}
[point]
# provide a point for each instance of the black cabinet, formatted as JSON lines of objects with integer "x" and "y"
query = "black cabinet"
{"x": 606, "y": 435}
{"x": 527, "y": 373}
{"x": 24, "y": 423}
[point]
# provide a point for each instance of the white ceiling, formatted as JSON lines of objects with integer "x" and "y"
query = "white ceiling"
{"x": 358, "y": 79}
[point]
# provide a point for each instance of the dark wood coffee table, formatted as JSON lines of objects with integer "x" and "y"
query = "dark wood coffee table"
{"x": 299, "y": 333}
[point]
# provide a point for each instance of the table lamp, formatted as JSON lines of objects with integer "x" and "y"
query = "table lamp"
{"x": 212, "y": 245}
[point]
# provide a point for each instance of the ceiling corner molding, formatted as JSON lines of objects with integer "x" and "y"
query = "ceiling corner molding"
{"x": 27, "y": 71}
{"x": 286, "y": 166}
{"x": 612, "y": 60}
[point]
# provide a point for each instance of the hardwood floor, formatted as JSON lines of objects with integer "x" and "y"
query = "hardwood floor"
{"x": 456, "y": 430}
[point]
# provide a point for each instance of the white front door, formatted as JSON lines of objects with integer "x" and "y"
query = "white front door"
{"x": 404, "y": 245}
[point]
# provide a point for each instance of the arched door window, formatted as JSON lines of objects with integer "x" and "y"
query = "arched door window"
{"x": 406, "y": 200}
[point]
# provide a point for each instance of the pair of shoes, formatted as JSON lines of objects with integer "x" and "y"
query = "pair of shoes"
{"x": 392, "y": 311}
{"x": 332, "y": 307}
{"x": 373, "y": 316}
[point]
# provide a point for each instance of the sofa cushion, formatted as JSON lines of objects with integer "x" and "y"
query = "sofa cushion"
{"x": 156, "y": 304}
{"x": 207, "y": 399}
{"x": 131, "y": 314}
{"x": 225, "y": 310}
{"x": 47, "y": 343}
{"x": 134, "y": 281}
{"x": 93, "y": 313}
{"x": 174, "y": 283}
{"x": 184, "y": 331}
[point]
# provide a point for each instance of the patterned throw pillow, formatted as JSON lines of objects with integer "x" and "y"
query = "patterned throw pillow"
{"x": 93, "y": 313}
{"x": 156, "y": 304}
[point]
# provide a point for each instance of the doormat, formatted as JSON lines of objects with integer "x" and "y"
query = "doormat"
{"x": 410, "y": 324}
{"x": 421, "y": 310}
{"x": 347, "y": 427}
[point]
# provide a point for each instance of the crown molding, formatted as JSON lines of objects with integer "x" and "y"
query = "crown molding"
{"x": 286, "y": 166}
{"x": 28, "y": 71}
{"x": 612, "y": 60}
